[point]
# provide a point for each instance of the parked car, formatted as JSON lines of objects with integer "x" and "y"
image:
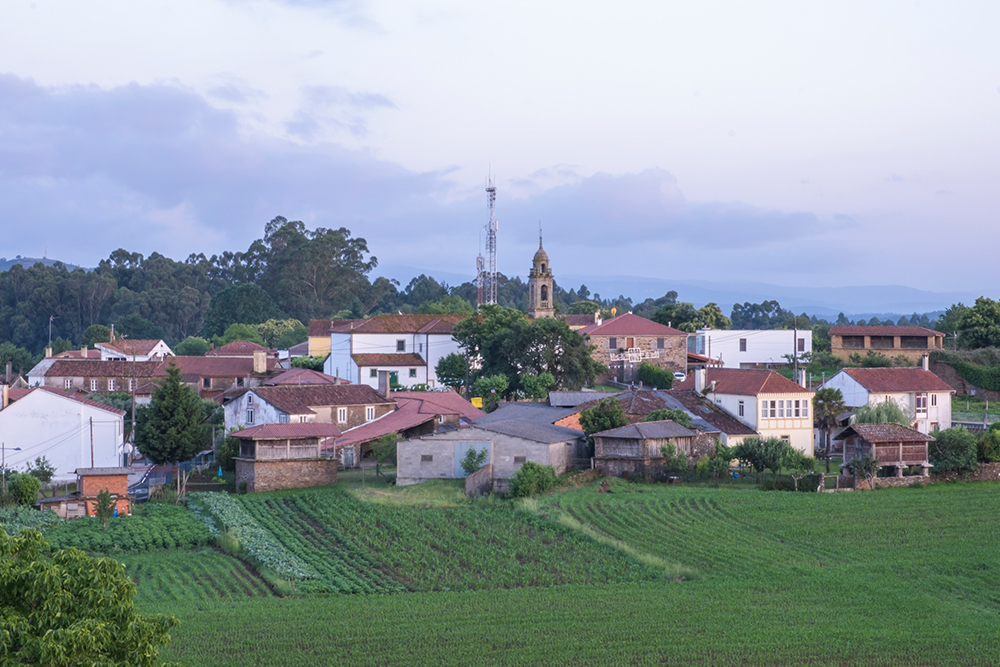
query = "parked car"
{"x": 679, "y": 376}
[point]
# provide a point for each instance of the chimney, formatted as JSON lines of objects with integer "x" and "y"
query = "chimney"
{"x": 112, "y": 333}
{"x": 4, "y": 397}
{"x": 597, "y": 318}
{"x": 700, "y": 379}
{"x": 83, "y": 351}
{"x": 802, "y": 378}
{"x": 383, "y": 383}
{"x": 9, "y": 371}
{"x": 925, "y": 362}
{"x": 48, "y": 352}
{"x": 260, "y": 361}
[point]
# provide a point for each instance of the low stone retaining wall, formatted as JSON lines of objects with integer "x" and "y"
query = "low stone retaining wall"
{"x": 480, "y": 482}
{"x": 285, "y": 473}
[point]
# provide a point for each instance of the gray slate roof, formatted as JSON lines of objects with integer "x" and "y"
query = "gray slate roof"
{"x": 648, "y": 431}
{"x": 571, "y": 399}
{"x": 531, "y": 421}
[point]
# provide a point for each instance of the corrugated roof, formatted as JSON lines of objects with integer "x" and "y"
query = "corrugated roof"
{"x": 648, "y": 430}
{"x": 531, "y": 421}
{"x": 283, "y": 431}
{"x": 844, "y": 330}
{"x": 897, "y": 379}
{"x": 746, "y": 382}
{"x": 406, "y": 417}
{"x": 388, "y": 359}
{"x": 239, "y": 348}
{"x": 630, "y": 325}
{"x": 299, "y": 399}
{"x": 876, "y": 433}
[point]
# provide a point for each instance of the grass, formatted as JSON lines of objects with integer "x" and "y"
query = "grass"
{"x": 893, "y": 577}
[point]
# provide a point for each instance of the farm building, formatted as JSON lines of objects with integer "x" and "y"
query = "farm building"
{"x": 636, "y": 448}
{"x": 89, "y": 483}
{"x": 285, "y": 456}
{"x": 896, "y": 447}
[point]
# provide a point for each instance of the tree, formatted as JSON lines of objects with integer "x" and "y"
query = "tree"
{"x": 678, "y": 416}
{"x": 675, "y": 461}
{"x": 246, "y": 304}
{"x": 584, "y": 307}
{"x": 96, "y": 333}
{"x": 828, "y": 405}
{"x": 22, "y": 488}
{"x": 710, "y": 316}
{"x": 451, "y": 304}
{"x": 988, "y": 449}
{"x": 604, "y": 416}
{"x": 884, "y": 412}
{"x": 170, "y": 428}
{"x": 721, "y": 461}
{"x": 384, "y": 449}
{"x": 192, "y": 346}
{"x": 536, "y": 387}
{"x": 282, "y": 334}
{"x": 865, "y": 467}
{"x": 654, "y": 376}
{"x": 450, "y": 370}
{"x": 239, "y": 331}
{"x": 490, "y": 389}
{"x": 980, "y": 325}
{"x": 104, "y": 508}
{"x": 474, "y": 460}
{"x": 20, "y": 359}
{"x": 953, "y": 450}
{"x": 136, "y": 327}
{"x": 310, "y": 363}
{"x": 762, "y": 454}
{"x": 950, "y": 321}
{"x": 67, "y": 608}
{"x": 532, "y": 478}
{"x": 798, "y": 464}
{"x": 42, "y": 470}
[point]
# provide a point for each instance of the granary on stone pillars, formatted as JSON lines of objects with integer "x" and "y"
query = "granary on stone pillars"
{"x": 540, "y": 285}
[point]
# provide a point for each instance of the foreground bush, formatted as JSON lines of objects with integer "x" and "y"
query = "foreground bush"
{"x": 953, "y": 450}
{"x": 532, "y": 478}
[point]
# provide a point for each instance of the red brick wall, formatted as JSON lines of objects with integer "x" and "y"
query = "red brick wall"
{"x": 94, "y": 484}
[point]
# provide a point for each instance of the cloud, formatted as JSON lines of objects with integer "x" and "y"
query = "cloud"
{"x": 234, "y": 89}
{"x": 337, "y": 108}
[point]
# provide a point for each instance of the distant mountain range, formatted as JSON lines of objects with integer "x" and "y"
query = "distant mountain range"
{"x": 6, "y": 264}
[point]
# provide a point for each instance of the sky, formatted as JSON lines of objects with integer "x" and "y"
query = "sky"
{"x": 788, "y": 143}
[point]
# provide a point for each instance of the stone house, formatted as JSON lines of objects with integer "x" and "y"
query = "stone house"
{"x": 90, "y": 482}
{"x": 624, "y": 342}
{"x": 636, "y": 448}
{"x": 344, "y": 405}
{"x": 909, "y": 342}
{"x": 285, "y": 456}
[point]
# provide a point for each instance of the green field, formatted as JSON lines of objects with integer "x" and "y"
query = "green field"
{"x": 895, "y": 577}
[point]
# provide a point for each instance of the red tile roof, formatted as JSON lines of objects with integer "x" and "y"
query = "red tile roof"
{"x": 78, "y": 354}
{"x": 88, "y": 368}
{"x": 435, "y": 324}
{"x": 239, "y": 348}
{"x": 195, "y": 368}
{"x": 129, "y": 346}
{"x": 897, "y": 379}
{"x": 17, "y": 394}
{"x": 406, "y": 417}
{"x": 843, "y": 330}
{"x": 439, "y": 403}
{"x": 875, "y": 433}
{"x": 745, "y": 382}
{"x": 303, "y": 376}
{"x": 577, "y": 320}
{"x": 319, "y": 328}
{"x": 388, "y": 359}
{"x": 79, "y": 398}
{"x": 283, "y": 431}
{"x": 630, "y": 325}
{"x": 300, "y": 399}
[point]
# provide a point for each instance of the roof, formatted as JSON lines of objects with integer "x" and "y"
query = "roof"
{"x": 17, "y": 394}
{"x": 129, "y": 346}
{"x": 897, "y": 379}
{"x": 843, "y": 330}
{"x": 427, "y": 324}
{"x": 104, "y": 369}
{"x": 577, "y": 320}
{"x": 439, "y": 403}
{"x": 299, "y": 399}
{"x": 389, "y": 359}
{"x": 303, "y": 376}
{"x": 876, "y": 433}
{"x": 283, "y": 431}
{"x": 705, "y": 410}
{"x": 746, "y": 382}
{"x": 321, "y": 328}
{"x": 648, "y": 430}
{"x": 81, "y": 398}
{"x": 78, "y": 354}
{"x": 530, "y": 421}
{"x": 406, "y": 417}
{"x": 571, "y": 399}
{"x": 630, "y": 325}
{"x": 84, "y": 472}
{"x": 239, "y": 348}
{"x": 194, "y": 368}
{"x": 300, "y": 350}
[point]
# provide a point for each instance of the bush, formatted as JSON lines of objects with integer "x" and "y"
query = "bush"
{"x": 474, "y": 460}
{"x": 989, "y": 447}
{"x": 229, "y": 448}
{"x": 384, "y": 449}
{"x": 532, "y": 478}
{"x": 953, "y": 450}
{"x": 675, "y": 462}
{"x": 654, "y": 376}
{"x": 23, "y": 488}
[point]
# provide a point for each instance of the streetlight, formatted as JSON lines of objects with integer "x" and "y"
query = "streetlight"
{"x": 3, "y": 467}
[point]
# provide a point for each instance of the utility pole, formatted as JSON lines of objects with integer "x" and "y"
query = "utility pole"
{"x": 795, "y": 349}
{"x": 91, "y": 442}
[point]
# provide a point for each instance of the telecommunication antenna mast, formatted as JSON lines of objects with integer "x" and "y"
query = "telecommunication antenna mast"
{"x": 490, "y": 277}
{"x": 480, "y": 272}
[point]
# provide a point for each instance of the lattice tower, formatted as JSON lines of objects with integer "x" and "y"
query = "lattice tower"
{"x": 490, "y": 275}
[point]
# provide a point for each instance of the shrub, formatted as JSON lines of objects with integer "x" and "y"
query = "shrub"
{"x": 989, "y": 446}
{"x": 675, "y": 461}
{"x": 606, "y": 415}
{"x": 384, "y": 449}
{"x": 23, "y": 488}
{"x": 654, "y": 376}
{"x": 532, "y": 478}
{"x": 474, "y": 460}
{"x": 953, "y": 450}
{"x": 678, "y": 416}
{"x": 227, "y": 451}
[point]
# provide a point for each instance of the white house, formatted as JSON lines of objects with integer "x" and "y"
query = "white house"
{"x": 134, "y": 350}
{"x": 69, "y": 430}
{"x": 409, "y": 347}
{"x": 750, "y": 348}
{"x": 923, "y": 395}
{"x": 764, "y": 400}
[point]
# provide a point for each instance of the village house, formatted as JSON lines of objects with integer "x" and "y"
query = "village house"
{"x": 407, "y": 347}
{"x": 125, "y": 349}
{"x": 214, "y": 377}
{"x": 750, "y": 348}
{"x": 241, "y": 348}
{"x": 919, "y": 392}
{"x": 89, "y": 483}
{"x": 764, "y": 400}
{"x": 285, "y": 456}
{"x": 909, "y": 342}
{"x": 624, "y": 342}
{"x": 70, "y": 430}
{"x": 343, "y": 405}
{"x": 90, "y": 375}
{"x": 318, "y": 343}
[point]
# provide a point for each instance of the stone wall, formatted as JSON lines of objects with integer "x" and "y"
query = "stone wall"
{"x": 480, "y": 482}
{"x": 673, "y": 355}
{"x": 285, "y": 473}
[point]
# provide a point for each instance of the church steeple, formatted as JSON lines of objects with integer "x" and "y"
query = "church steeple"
{"x": 540, "y": 284}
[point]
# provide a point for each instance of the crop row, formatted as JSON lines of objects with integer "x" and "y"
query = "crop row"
{"x": 151, "y": 526}
{"x": 255, "y": 540}
{"x": 17, "y": 518}
{"x": 203, "y": 574}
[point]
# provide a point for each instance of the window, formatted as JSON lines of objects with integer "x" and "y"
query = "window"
{"x": 373, "y": 373}
{"x": 282, "y": 418}
{"x": 802, "y": 345}
{"x": 545, "y": 290}
{"x": 420, "y": 348}
{"x": 805, "y": 408}
{"x": 786, "y": 438}
{"x": 239, "y": 382}
{"x": 250, "y": 398}
{"x": 613, "y": 343}
{"x": 413, "y": 372}
{"x": 781, "y": 409}
{"x": 206, "y": 383}
{"x": 921, "y": 402}
{"x": 250, "y": 416}
{"x": 111, "y": 385}
{"x": 400, "y": 346}
{"x": 772, "y": 409}
{"x": 659, "y": 343}
{"x": 743, "y": 344}
{"x": 426, "y": 458}
{"x": 369, "y": 413}
{"x": 519, "y": 459}
{"x": 763, "y": 409}
{"x": 933, "y": 400}
{"x": 131, "y": 384}
{"x": 740, "y": 408}
{"x": 68, "y": 383}
{"x": 93, "y": 385}
{"x": 798, "y": 411}
{"x": 342, "y": 415}
{"x": 303, "y": 419}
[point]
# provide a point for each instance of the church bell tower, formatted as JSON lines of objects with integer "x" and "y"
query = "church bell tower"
{"x": 540, "y": 285}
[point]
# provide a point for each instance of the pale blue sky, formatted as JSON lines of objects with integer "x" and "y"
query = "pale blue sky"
{"x": 786, "y": 142}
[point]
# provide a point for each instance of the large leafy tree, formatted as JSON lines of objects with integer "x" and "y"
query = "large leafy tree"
{"x": 828, "y": 404}
{"x": 66, "y": 608}
{"x": 171, "y": 428}
{"x": 450, "y": 370}
{"x": 980, "y": 325}
{"x": 20, "y": 359}
{"x": 238, "y": 304}
{"x": 953, "y": 450}
{"x": 604, "y": 416}
{"x": 883, "y": 412}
